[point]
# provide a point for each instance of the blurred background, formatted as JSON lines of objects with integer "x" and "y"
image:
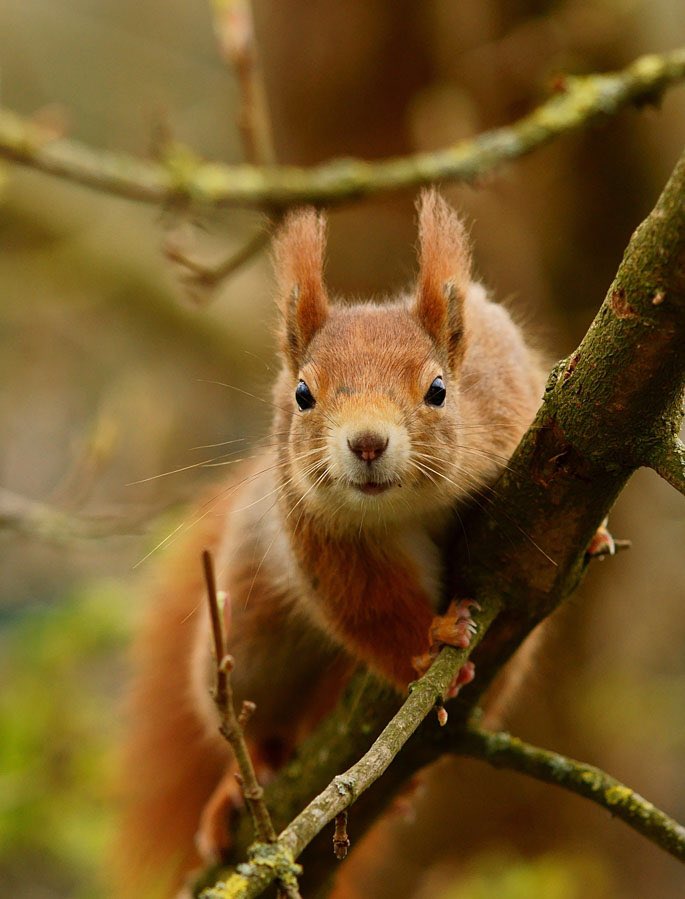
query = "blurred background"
{"x": 105, "y": 364}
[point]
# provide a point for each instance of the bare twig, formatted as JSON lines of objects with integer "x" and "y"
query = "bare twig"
{"x": 184, "y": 177}
{"x": 230, "y": 725}
{"x": 668, "y": 461}
{"x": 341, "y": 838}
{"x": 40, "y": 520}
{"x": 504, "y": 751}
{"x": 234, "y": 28}
{"x": 200, "y": 274}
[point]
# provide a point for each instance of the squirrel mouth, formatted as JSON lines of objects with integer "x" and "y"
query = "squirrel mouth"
{"x": 373, "y": 488}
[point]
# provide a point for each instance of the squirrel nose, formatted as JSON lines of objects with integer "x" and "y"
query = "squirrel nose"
{"x": 368, "y": 446}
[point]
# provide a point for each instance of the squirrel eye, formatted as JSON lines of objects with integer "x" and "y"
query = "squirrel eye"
{"x": 303, "y": 396}
{"x": 436, "y": 393}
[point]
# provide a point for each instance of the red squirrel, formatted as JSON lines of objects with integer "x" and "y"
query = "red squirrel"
{"x": 328, "y": 544}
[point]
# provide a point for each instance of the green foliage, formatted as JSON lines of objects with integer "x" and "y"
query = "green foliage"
{"x": 552, "y": 876}
{"x": 59, "y": 668}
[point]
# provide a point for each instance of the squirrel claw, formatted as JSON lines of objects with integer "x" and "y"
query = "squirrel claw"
{"x": 464, "y": 676}
{"x": 455, "y": 627}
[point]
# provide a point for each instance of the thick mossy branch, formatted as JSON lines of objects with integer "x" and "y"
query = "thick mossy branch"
{"x": 182, "y": 177}
{"x": 606, "y": 411}
{"x": 607, "y": 408}
{"x": 505, "y": 751}
{"x": 266, "y": 863}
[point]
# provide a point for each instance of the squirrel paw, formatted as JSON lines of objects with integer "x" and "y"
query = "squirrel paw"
{"x": 602, "y": 544}
{"x": 464, "y": 676}
{"x": 454, "y": 628}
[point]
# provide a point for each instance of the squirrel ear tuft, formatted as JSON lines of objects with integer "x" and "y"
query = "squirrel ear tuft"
{"x": 298, "y": 256}
{"x": 444, "y": 274}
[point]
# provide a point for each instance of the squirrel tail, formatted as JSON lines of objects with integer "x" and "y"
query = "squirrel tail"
{"x": 170, "y": 763}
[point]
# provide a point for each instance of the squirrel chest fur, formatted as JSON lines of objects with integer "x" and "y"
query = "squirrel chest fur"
{"x": 329, "y": 545}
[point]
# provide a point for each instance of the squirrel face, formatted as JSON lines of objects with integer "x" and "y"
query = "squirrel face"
{"x": 371, "y": 393}
{"x": 375, "y": 419}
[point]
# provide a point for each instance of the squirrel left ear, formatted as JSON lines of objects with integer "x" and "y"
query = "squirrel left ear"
{"x": 444, "y": 275}
{"x": 302, "y": 298}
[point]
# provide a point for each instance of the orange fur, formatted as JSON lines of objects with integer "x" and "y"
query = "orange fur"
{"x": 330, "y": 544}
{"x": 298, "y": 260}
{"x": 375, "y": 604}
{"x": 171, "y": 764}
{"x": 445, "y": 275}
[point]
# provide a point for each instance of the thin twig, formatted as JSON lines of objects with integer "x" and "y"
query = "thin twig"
{"x": 47, "y": 522}
{"x": 668, "y": 461}
{"x": 230, "y": 726}
{"x": 184, "y": 177}
{"x": 200, "y": 274}
{"x": 234, "y": 28}
{"x": 504, "y": 751}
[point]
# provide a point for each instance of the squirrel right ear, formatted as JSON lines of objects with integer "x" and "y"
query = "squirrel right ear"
{"x": 302, "y": 298}
{"x": 444, "y": 275}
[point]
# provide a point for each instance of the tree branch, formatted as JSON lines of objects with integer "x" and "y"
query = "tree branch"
{"x": 504, "y": 751}
{"x": 232, "y": 729}
{"x": 345, "y": 788}
{"x": 231, "y": 725}
{"x": 200, "y": 275}
{"x": 183, "y": 177}
{"x": 605, "y": 409}
{"x": 40, "y": 520}
{"x": 668, "y": 461}
{"x": 234, "y": 28}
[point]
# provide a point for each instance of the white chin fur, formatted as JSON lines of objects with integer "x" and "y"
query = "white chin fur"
{"x": 383, "y": 493}
{"x": 357, "y": 511}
